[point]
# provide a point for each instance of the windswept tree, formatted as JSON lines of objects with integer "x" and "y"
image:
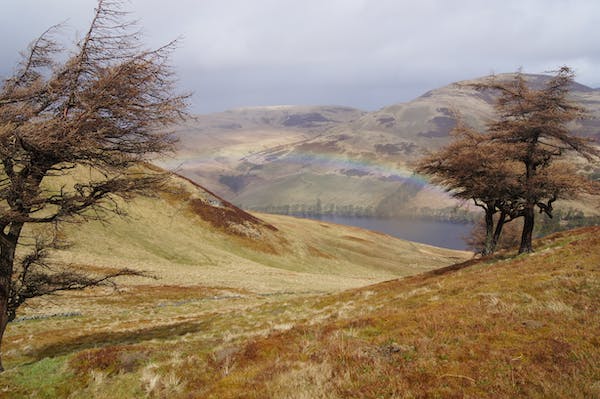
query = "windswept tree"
{"x": 473, "y": 168}
{"x": 518, "y": 166}
{"x": 73, "y": 127}
{"x": 534, "y": 123}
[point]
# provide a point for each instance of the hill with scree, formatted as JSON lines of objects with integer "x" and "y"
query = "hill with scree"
{"x": 506, "y": 326}
{"x": 328, "y": 160}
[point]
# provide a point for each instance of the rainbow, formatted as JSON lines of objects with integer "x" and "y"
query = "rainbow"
{"x": 379, "y": 168}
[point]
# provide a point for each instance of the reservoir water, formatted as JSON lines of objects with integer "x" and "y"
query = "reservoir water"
{"x": 432, "y": 232}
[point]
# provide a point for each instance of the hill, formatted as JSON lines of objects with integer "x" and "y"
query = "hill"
{"x": 352, "y": 163}
{"x": 186, "y": 233}
{"x": 428, "y": 119}
{"x": 524, "y": 326}
{"x": 212, "y": 146}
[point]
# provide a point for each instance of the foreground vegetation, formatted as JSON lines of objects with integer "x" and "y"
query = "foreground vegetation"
{"x": 502, "y": 326}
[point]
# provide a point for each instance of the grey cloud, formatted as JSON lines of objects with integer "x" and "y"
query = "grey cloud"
{"x": 363, "y": 53}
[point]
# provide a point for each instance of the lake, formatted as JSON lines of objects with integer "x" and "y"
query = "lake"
{"x": 432, "y": 232}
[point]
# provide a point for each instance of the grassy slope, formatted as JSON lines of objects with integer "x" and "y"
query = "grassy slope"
{"x": 172, "y": 237}
{"x": 525, "y": 326}
{"x": 501, "y": 327}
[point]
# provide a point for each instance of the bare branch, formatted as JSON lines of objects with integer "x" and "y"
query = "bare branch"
{"x": 74, "y": 133}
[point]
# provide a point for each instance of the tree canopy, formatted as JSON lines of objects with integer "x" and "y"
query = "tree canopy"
{"x": 471, "y": 167}
{"x": 96, "y": 109}
{"x": 534, "y": 125}
{"x": 519, "y": 163}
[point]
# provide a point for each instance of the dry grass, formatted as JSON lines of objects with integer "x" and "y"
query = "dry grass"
{"x": 230, "y": 320}
{"x": 499, "y": 327}
{"x": 187, "y": 236}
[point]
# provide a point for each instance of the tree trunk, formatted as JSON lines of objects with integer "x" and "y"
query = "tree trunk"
{"x": 527, "y": 234}
{"x": 5, "y": 278}
{"x": 3, "y": 323}
{"x": 498, "y": 231}
{"x": 8, "y": 246}
{"x": 489, "y": 231}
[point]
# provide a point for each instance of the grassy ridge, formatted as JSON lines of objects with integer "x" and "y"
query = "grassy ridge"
{"x": 525, "y": 326}
{"x": 497, "y": 327}
{"x": 187, "y": 236}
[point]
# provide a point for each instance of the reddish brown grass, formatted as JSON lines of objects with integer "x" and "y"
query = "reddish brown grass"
{"x": 111, "y": 360}
{"x": 470, "y": 330}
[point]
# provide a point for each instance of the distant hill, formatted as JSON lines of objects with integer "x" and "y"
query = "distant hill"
{"x": 308, "y": 160}
{"x": 429, "y": 118}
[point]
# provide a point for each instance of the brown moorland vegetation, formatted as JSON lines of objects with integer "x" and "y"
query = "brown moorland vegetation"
{"x": 502, "y": 326}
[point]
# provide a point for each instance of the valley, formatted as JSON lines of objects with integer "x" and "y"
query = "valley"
{"x": 241, "y": 303}
{"x": 189, "y": 234}
{"x": 440, "y": 238}
{"x": 346, "y": 162}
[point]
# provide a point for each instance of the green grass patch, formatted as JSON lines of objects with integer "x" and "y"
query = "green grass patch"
{"x": 47, "y": 378}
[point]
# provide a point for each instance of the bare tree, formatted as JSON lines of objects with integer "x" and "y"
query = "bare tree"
{"x": 93, "y": 116}
{"x": 534, "y": 124}
{"x": 516, "y": 166}
{"x": 474, "y": 168}
{"x": 511, "y": 234}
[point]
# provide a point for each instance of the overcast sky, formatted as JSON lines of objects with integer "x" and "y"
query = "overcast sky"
{"x": 361, "y": 53}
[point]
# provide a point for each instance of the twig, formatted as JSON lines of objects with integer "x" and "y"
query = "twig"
{"x": 459, "y": 376}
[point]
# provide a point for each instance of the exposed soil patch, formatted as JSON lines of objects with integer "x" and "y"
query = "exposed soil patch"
{"x": 387, "y": 121}
{"x": 444, "y": 126}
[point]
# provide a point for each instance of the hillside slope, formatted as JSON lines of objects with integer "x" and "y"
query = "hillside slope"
{"x": 186, "y": 235}
{"x": 428, "y": 119}
{"x": 524, "y": 326}
{"x": 213, "y": 146}
{"x": 509, "y": 326}
{"x": 357, "y": 164}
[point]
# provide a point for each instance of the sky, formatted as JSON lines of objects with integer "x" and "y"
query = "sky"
{"x": 361, "y": 53}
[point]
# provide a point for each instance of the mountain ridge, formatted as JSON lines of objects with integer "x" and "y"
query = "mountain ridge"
{"x": 288, "y": 159}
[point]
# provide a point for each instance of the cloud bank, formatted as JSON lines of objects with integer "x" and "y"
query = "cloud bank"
{"x": 361, "y": 53}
